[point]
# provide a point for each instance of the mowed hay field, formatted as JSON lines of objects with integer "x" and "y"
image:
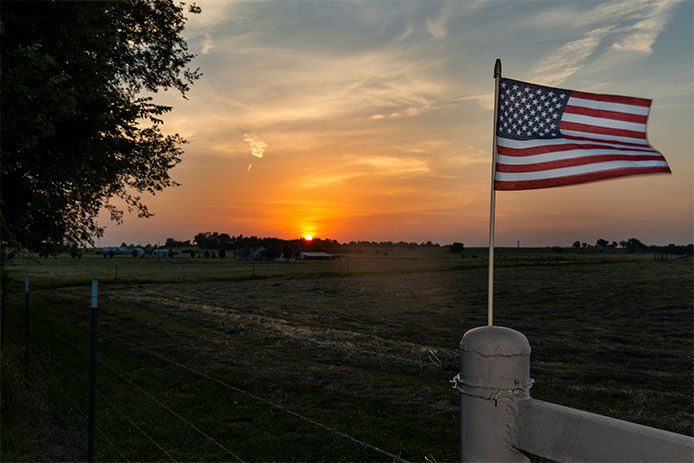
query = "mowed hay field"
{"x": 369, "y": 355}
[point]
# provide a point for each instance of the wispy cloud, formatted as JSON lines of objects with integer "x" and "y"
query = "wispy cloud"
{"x": 392, "y": 165}
{"x": 629, "y": 27}
{"x": 207, "y": 44}
{"x": 485, "y": 100}
{"x": 437, "y": 26}
{"x": 568, "y": 58}
{"x": 315, "y": 86}
{"x": 256, "y": 145}
{"x": 643, "y": 34}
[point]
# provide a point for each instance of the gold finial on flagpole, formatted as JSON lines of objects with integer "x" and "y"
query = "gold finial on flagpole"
{"x": 497, "y": 68}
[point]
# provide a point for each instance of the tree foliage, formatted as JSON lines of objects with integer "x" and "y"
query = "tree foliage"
{"x": 601, "y": 243}
{"x": 79, "y": 133}
{"x": 456, "y": 247}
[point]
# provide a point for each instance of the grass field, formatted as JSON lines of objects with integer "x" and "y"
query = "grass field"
{"x": 364, "y": 346}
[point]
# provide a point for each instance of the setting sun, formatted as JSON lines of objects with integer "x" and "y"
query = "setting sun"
{"x": 308, "y": 237}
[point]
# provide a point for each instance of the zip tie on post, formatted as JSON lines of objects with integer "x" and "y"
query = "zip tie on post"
{"x": 520, "y": 388}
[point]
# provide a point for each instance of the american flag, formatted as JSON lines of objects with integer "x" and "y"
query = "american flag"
{"x": 549, "y": 137}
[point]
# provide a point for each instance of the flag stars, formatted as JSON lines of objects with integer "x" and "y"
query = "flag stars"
{"x": 529, "y": 111}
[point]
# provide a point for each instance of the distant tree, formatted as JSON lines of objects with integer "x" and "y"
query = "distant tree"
{"x": 269, "y": 254}
{"x": 612, "y": 245}
{"x": 75, "y": 251}
{"x": 577, "y": 244}
{"x": 601, "y": 243}
{"x": 288, "y": 251}
{"x": 456, "y": 247}
{"x": 584, "y": 245}
{"x": 623, "y": 244}
{"x": 77, "y": 134}
{"x": 634, "y": 245}
{"x": 209, "y": 240}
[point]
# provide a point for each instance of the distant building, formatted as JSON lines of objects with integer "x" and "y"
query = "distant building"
{"x": 115, "y": 250}
{"x": 166, "y": 252}
{"x": 317, "y": 256}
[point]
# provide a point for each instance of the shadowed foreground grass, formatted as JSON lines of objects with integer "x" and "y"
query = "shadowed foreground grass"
{"x": 609, "y": 337}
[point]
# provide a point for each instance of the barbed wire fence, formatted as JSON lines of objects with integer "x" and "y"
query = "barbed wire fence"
{"x": 40, "y": 360}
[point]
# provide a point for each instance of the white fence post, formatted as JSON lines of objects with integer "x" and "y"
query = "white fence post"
{"x": 494, "y": 376}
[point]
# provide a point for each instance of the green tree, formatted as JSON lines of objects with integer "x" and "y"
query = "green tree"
{"x": 79, "y": 133}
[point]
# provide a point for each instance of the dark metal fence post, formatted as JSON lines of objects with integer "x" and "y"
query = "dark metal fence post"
{"x": 26, "y": 325}
{"x": 3, "y": 303}
{"x": 92, "y": 374}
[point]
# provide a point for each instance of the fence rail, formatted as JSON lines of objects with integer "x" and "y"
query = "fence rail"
{"x": 498, "y": 417}
{"x": 566, "y": 434}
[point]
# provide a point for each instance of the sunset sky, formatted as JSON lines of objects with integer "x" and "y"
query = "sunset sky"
{"x": 372, "y": 120}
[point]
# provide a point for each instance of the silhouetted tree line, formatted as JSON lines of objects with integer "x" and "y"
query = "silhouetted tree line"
{"x": 633, "y": 245}
{"x": 276, "y": 247}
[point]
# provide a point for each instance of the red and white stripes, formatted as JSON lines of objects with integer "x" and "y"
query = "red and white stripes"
{"x": 603, "y": 136}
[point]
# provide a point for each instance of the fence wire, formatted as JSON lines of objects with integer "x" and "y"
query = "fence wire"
{"x": 265, "y": 401}
{"x": 433, "y": 360}
{"x": 154, "y": 399}
{"x": 102, "y": 396}
{"x": 62, "y": 391}
{"x": 334, "y": 431}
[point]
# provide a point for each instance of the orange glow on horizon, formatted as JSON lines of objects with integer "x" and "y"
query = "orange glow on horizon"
{"x": 308, "y": 237}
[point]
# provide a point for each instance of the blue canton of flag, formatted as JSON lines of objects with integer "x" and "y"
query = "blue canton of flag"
{"x": 528, "y": 111}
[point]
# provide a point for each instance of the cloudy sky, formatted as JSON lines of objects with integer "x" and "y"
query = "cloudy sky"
{"x": 372, "y": 120}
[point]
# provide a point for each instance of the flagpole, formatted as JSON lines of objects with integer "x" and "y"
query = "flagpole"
{"x": 492, "y": 201}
